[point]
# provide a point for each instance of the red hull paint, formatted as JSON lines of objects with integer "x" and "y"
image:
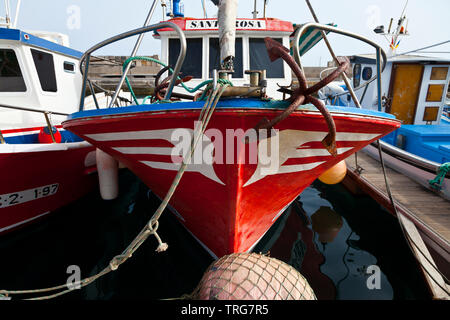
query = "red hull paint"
{"x": 34, "y": 184}
{"x": 228, "y": 207}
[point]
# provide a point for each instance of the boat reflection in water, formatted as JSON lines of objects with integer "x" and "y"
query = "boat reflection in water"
{"x": 346, "y": 256}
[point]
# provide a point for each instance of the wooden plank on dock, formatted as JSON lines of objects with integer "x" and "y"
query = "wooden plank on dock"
{"x": 413, "y": 197}
{"x": 435, "y": 281}
{"x": 420, "y": 208}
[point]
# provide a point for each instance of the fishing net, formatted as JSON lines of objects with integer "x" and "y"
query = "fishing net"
{"x": 251, "y": 276}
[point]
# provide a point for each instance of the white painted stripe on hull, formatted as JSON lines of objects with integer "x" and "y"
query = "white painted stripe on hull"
{"x": 144, "y": 150}
{"x": 23, "y": 222}
{"x": 164, "y": 134}
{"x": 41, "y": 147}
{"x": 355, "y": 136}
{"x": 306, "y": 153}
{"x": 132, "y": 135}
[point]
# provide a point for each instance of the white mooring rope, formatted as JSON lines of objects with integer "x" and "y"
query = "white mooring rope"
{"x": 152, "y": 226}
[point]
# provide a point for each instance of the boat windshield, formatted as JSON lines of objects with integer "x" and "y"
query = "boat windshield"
{"x": 259, "y": 59}
{"x": 194, "y": 56}
{"x": 11, "y": 78}
{"x": 214, "y": 58}
{"x": 45, "y": 70}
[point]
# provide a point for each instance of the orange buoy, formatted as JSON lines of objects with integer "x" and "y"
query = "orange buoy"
{"x": 335, "y": 174}
{"x": 45, "y": 136}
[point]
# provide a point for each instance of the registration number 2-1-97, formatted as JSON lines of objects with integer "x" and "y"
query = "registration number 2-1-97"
{"x": 11, "y": 199}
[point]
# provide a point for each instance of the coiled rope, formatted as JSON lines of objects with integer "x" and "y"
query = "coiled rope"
{"x": 152, "y": 226}
{"x": 190, "y": 90}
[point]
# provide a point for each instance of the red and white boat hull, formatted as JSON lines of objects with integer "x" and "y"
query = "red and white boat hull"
{"x": 40, "y": 178}
{"x": 227, "y": 205}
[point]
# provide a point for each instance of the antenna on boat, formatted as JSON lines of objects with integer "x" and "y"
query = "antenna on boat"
{"x": 401, "y": 30}
{"x": 16, "y": 17}
{"x": 255, "y": 11}
{"x": 164, "y": 9}
{"x": 7, "y": 19}
{"x": 265, "y": 8}
{"x": 205, "y": 15}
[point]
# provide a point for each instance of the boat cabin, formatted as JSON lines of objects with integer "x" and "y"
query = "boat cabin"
{"x": 414, "y": 88}
{"x": 203, "y": 51}
{"x": 38, "y": 74}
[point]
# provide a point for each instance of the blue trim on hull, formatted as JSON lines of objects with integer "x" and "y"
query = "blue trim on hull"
{"x": 66, "y": 136}
{"x": 18, "y": 35}
{"x": 223, "y": 104}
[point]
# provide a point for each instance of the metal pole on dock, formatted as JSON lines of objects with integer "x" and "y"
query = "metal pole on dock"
{"x": 379, "y": 79}
{"x": 133, "y": 54}
{"x": 344, "y": 75}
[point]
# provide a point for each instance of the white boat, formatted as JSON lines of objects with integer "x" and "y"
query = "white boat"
{"x": 44, "y": 167}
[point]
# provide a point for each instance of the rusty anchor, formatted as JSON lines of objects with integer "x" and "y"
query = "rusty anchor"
{"x": 302, "y": 95}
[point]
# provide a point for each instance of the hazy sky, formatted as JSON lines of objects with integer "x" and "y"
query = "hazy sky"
{"x": 88, "y": 22}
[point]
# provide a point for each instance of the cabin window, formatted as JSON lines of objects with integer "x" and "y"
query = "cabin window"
{"x": 45, "y": 69}
{"x": 356, "y": 75}
{"x": 11, "y": 79}
{"x": 193, "y": 62}
{"x": 367, "y": 73}
{"x": 214, "y": 57}
{"x": 435, "y": 92}
{"x": 438, "y": 73}
{"x": 430, "y": 114}
{"x": 69, "y": 67}
{"x": 259, "y": 59}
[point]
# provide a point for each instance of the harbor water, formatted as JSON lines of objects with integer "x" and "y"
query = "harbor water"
{"x": 347, "y": 247}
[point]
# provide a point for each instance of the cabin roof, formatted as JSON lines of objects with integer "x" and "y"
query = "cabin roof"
{"x": 31, "y": 40}
{"x": 371, "y": 59}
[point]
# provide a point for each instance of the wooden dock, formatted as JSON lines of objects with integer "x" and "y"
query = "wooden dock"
{"x": 427, "y": 206}
{"x": 417, "y": 206}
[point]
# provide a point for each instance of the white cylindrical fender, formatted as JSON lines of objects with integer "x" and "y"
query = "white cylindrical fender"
{"x": 108, "y": 175}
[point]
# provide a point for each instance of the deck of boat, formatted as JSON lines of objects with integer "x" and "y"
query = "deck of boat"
{"x": 415, "y": 199}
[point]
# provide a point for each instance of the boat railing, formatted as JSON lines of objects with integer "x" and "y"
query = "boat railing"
{"x": 46, "y": 114}
{"x": 85, "y": 59}
{"x": 408, "y": 157}
{"x": 381, "y": 58}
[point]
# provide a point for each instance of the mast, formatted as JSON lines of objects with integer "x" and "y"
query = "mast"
{"x": 227, "y": 32}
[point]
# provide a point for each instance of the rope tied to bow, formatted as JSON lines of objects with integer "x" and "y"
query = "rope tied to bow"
{"x": 152, "y": 226}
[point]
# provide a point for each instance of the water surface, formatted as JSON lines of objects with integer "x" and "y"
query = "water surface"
{"x": 330, "y": 236}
